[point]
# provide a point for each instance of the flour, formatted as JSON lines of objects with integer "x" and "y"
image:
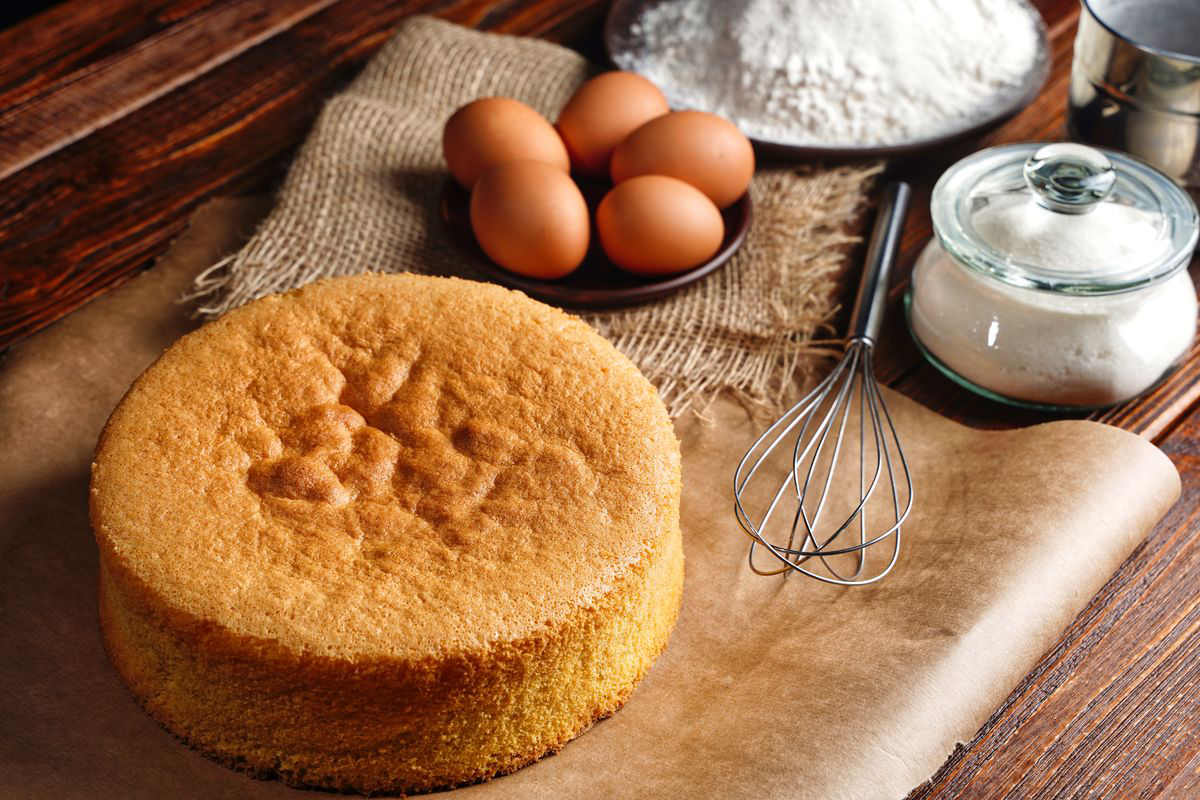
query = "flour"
{"x": 838, "y": 72}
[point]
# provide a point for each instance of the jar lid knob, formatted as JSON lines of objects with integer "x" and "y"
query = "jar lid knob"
{"x": 1069, "y": 178}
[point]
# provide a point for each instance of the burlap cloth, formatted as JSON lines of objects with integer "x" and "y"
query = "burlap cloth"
{"x": 364, "y": 194}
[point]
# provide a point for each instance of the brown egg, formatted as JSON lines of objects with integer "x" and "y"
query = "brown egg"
{"x": 530, "y": 218}
{"x": 604, "y": 111}
{"x": 705, "y": 150}
{"x": 495, "y": 130}
{"x": 656, "y": 225}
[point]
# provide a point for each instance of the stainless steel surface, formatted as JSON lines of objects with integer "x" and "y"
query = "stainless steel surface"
{"x": 1135, "y": 82}
{"x": 867, "y": 315}
{"x": 820, "y": 472}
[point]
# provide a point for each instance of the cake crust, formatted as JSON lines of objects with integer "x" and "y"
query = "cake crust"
{"x": 387, "y": 533}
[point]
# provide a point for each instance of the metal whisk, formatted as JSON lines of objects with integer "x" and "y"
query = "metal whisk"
{"x": 823, "y": 417}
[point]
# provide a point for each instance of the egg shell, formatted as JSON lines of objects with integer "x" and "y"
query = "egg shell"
{"x": 530, "y": 218}
{"x": 703, "y": 149}
{"x": 657, "y": 225}
{"x": 604, "y": 111}
{"x": 496, "y": 130}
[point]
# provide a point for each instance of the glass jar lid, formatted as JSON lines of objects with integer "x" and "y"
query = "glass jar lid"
{"x": 1064, "y": 218}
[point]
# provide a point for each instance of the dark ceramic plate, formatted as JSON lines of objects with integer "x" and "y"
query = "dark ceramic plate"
{"x": 622, "y": 42}
{"x": 597, "y": 283}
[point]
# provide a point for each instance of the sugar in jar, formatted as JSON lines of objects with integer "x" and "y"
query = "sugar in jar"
{"x": 1057, "y": 276}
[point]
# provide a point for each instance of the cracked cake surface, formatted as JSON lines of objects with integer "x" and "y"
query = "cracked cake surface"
{"x": 436, "y": 482}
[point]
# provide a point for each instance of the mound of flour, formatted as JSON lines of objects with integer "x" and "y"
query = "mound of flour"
{"x": 838, "y": 72}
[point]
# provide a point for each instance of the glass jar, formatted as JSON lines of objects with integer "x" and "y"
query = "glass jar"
{"x": 1057, "y": 277}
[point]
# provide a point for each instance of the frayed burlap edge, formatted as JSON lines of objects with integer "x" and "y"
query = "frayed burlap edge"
{"x": 364, "y": 194}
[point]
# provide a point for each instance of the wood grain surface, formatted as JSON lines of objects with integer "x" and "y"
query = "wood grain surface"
{"x": 96, "y": 207}
{"x": 118, "y": 85}
{"x": 118, "y": 118}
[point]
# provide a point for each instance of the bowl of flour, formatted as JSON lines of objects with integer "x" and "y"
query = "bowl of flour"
{"x": 838, "y": 77}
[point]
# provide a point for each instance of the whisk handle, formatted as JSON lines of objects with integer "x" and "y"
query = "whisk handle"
{"x": 867, "y": 316}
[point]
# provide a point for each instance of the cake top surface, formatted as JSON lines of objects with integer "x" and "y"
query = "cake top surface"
{"x": 396, "y": 466}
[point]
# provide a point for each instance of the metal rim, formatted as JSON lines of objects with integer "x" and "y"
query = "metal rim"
{"x": 1145, "y": 48}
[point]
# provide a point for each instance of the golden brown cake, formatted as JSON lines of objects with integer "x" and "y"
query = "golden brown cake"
{"x": 387, "y": 533}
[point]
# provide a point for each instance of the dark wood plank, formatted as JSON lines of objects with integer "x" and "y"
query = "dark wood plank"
{"x": 126, "y": 189}
{"x": 116, "y": 86}
{"x": 70, "y": 36}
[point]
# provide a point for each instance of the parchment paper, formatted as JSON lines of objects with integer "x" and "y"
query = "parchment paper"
{"x": 769, "y": 688}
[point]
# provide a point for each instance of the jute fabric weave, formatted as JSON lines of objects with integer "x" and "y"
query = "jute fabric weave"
{"x": 365, "y": 189}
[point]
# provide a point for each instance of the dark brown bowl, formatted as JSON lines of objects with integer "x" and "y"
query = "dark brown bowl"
{"x": 597, "y": 283}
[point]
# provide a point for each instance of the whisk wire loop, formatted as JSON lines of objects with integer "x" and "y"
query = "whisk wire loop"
{"x": 823, "y": 418}
{"x": 848, "y": 399}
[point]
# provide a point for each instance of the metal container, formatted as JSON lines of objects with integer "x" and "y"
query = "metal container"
{"x": 1135, "y": 82}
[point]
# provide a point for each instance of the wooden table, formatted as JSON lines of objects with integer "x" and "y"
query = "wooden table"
{"x": 117, "y": 119}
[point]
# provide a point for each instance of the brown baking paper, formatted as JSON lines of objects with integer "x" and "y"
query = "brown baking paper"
{"x": 769, "y": 688}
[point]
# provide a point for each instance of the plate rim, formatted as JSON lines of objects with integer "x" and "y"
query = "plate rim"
{"x": 562, "y": 294}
